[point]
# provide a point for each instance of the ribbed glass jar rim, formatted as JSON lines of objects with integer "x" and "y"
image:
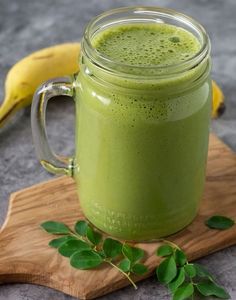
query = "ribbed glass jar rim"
{"x": 136, "y": 14}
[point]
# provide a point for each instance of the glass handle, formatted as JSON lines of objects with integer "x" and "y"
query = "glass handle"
{"x": 51, "y": 162}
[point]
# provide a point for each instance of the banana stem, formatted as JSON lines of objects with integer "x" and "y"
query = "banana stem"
{"x": 8, "y": 108}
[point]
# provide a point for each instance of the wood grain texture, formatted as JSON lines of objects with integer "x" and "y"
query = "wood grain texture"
{"x": 26, "y": 257}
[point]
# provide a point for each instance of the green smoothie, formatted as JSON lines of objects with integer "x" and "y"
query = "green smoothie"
{"x": 142, "y": 143}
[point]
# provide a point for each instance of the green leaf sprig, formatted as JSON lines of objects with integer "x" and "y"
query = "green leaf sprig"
{"x": 184, "y": 279}
{"x": 87, "y": 249}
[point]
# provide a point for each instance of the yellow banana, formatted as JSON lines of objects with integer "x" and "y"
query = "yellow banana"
{"x": 60, "y": 60}
{"x": 26, "y": 75}
{"x": 218, "y": 106}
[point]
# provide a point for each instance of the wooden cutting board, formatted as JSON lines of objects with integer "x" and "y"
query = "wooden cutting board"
{"x": 26, "y": 257}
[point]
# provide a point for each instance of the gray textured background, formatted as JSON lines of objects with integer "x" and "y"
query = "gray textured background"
{"x": 27, "y": 25}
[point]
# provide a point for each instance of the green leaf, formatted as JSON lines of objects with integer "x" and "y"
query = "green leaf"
{"x": 81, "y": 228}
{"x": 164, "y": 250}
{"x": 211, "y": 289}
{"x": 203, "y": 272}
{"x": 70, "y": 247}
{"x": 84, "y": 260}
{"x": 124, "y": 265}
{"x": 180, "y": 257}
{"x": 167, "y": 270}
{"x": 55, "y": 227}
{"x": 178, "y": 280}
{"x": 190, "y": 270}
{"x": 93, "y": 236}
{"x": 184, "y": 292}
{"x": 112, "y": 248}
{"x": 132, "y": 253}
{"x": 56, "y": 243}
{"x": 219, "y": 222}
{"x": 139, "y": 269}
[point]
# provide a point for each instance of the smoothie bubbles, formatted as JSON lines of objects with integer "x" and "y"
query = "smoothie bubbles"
{"x": 143, "y": 99}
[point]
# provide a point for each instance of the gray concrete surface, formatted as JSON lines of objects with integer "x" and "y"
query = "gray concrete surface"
{"x": 27, "y": 25}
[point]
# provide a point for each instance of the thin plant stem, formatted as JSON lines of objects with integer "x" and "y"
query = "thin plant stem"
{"x": 169, "y": 243}
{"x": 81, "y": 238}
{"x": 125, "y": 274}
{"x": 77, "y": 236}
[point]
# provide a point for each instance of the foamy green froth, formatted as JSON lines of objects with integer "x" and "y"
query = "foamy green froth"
{"x": 146, "y": 44}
